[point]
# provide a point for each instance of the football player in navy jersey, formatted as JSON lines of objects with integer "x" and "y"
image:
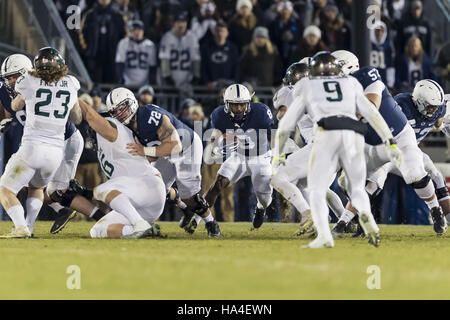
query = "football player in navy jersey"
{"x": 412, "y": 167}
{"x": 248, "y": 125}
{"x": 176, "y": 150}
{"x": 425, "y": 109}
{"x": 12, "y": 125}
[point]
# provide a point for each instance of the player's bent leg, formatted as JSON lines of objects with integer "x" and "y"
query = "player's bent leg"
{"x": 119, "y": 202}
{"x": 113, "y": 225}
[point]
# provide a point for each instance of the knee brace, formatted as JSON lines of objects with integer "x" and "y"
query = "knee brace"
{"x": 202, "y": 206}
{"x": 64, "y": 198}
{"x": 422, "y": 183}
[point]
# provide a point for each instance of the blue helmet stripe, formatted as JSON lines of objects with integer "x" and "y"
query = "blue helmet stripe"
{"x": 237, "y": 89}
{"x": 439, "y": 89}
{"x": 6, "y": 63}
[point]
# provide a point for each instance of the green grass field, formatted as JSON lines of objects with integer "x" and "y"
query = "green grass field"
{"x": 263, "y": 264}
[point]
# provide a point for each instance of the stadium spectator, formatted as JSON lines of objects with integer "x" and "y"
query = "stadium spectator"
{"x": 309, "y": 45}
{"x": 100, "y": 33}
{"x": 414, "y": 65}
{"x": 242, "y": 24}
{"x": 317, "y": 12}
{"x": 180, "y": 56}
{"x": 145, "y": 95}
{"x": 203, "y": 24}
{"x": 393, "y": 10}
{"x": 158, "y": 18}
{"x": 413, "y": 24}
{"x": 284, "y": 30}
{"x": 126, "y": 9}
{"x": 260, "y": 62}
{"x": 184, "y": 115}
{"x": 335, "y": 30}
{"x": 442, "y": 66}
{"x": 220, "y": 58}
{"x": 382, "y": 54}
{"x": 136, "y": 57}
{"x": 345, "y": 7}
{"x": 97, "y": 100}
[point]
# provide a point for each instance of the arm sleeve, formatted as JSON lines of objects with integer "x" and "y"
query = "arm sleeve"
{"x": 371, "y": 114}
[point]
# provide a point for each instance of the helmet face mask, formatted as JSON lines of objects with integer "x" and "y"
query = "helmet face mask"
{"x": 428, "y": 96}
{"x": 122, "y": 105}
{"x": 12, "y": 68}
{"x": 236, "y": 98}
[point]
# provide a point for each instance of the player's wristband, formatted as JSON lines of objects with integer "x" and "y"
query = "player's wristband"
{"x": 150, "y": 151}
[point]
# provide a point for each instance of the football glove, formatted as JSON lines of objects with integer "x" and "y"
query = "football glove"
{"x": 4, "y": 124}
{"x": 394, "y": 154}
{"x": 278, "y": 161}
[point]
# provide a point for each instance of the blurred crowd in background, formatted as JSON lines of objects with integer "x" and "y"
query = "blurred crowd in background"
{"x": 189, "y": 43}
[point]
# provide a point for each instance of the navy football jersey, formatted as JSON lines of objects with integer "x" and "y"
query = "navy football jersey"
{"x": 149, "y": 120}
{"x": 419, "y": 122}
{"x": 19, "y": 117}
{"x": 389, "y": 109}
{"x": 248, "y": 132}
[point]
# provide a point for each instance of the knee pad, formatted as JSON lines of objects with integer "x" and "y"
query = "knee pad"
{"x": 442, "y": 193}
{"x": 64, "y": 198}
{"x": 422, "y": 183}
{"x": 202, "y": 206}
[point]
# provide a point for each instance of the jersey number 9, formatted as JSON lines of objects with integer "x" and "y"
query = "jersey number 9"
{"x": 333, "y": 87}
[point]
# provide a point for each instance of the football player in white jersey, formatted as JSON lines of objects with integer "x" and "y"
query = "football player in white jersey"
{"x": 333, "y": 101}
{"x": 135, "y": 189}
{"x": 51, "y": 96}
{"x": 180, "y": 54}
{"x": 296, "y": 169}
{"x": 412, "y": 167}
{"x": 136, "y": 57}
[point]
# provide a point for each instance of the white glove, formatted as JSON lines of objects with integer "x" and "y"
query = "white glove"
{"x": 4, "y": 124}
{"x": 278, "y": 161}
{"x": 394, "y": 154}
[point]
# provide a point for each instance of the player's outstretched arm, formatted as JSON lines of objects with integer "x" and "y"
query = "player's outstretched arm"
{"x": 18, "y": 103}
{"x": 75, "y": 115}
{"x": 287, "y": 124}
{"x": 97, "y": 122}
{"x": 170, "y": 142}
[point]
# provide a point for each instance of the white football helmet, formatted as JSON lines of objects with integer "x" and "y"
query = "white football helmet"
{"x": 348, "y": 62}
{"x": 237, "y": 93}
{"x": 15, "y": 64}
{"x": 427, "y": 96}
{"x": 119, "y": 101}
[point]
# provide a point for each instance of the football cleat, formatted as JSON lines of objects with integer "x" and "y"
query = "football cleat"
{"x": 17, "y": 233}
{"x": 213, "y": 229}
{"x": 63, "y": 217}
{"x": 339, "y": 229}
{"x": 186, "y": 219}
{"x": 142, "y": 229}
{"x": 319, "y": 243}
{"x": 370, "y": 228}
{"x": 359, "y": 233}
{"x": 258, "y": 218}
{"x": 439, "y": 222}
{"x": 306, "y": 229}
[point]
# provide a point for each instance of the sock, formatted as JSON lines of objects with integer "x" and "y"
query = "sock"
{"x": 127, "y": 230}
{"x": 17, "y": 215}
{"x": 346, "y": 216}
{"x": 259, "y": 206}
{"x": 122, "y": 204}
{"x": 97, "y": 214}
{"x": 34, "y": 205}
{"x": 428, "y": 192}
{"x": 208, "y": 218}
{"x": 335, "y": 203}
{"x": 292, "y": 194}
{"x": 197, "y": 218}
{"x": 182, "y": 205}
{"x": 56, "y": 206}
